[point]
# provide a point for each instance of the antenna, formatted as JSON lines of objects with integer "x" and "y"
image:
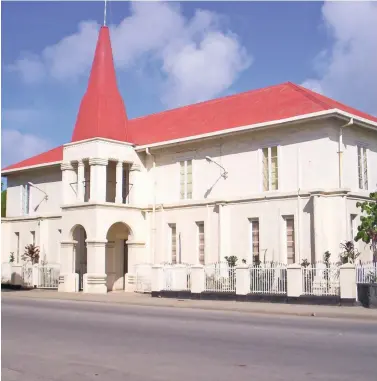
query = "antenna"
{"x": 104, "y": 14}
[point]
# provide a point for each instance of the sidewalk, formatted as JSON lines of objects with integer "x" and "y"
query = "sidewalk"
{"x": 231, "y": 306}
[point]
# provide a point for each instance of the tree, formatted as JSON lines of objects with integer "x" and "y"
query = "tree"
{"x": 367, "y": 230}
{"x": 3, "y": 200}
{"x": 31, "y": 253}
{"x": 349, "y": 252}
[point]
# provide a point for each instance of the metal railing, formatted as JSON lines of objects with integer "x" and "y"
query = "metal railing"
{"x": 48, "y": 275}
{"x": 177, "y": 277}
{"x": 27, "y": 274}
{"x": 143, "y": 277}
{"x": 220, "y": 277}
{"x": 268, "y": 278}
{"x": 366, "y": 272}
{"x": 320, "y": 279}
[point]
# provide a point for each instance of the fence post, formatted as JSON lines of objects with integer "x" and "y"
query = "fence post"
{"x": 294, "y": 281}
{"x": 347, "y": 282}
{"x": 197, "y": 279}
{"x": 157, "y": 281}
{"x": 179, "y": 275}
{"x": 35, "y": 275}
{"x": 242, "y": 280}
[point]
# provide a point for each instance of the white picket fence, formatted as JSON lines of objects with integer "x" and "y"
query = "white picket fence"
{"x": 321, "y": 279}
{"x": 366, "y": 272}
{"x": 176, "y": 277}
{"x": 269, "y": 278}
{"x": 48, "y": 275}
{"x": 30, "y": 276}
{"x": 220, "y": 277}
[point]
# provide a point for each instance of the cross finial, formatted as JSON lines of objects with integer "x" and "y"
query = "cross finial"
{"x": 104, "y": 14}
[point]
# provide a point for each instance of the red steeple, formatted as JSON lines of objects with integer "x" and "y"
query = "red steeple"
{"x": 102, "y": 112}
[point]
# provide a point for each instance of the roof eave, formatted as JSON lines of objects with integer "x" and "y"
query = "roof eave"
{"x": 6, "y": 172}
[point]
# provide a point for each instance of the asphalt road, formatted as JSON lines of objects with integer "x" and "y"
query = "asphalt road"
{"x": 61, "y": 340}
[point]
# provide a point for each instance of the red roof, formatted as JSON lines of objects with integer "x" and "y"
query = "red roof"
{"x": 55, "y": 154}
{"x": 258, "y": 106}
{"x": 102, "y": 112}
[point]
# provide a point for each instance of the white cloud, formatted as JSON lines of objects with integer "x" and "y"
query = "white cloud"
{"x": 17, "y": 146}
{"x": 22, "y": 116}
{"x": 198, "y": 58}
{"x": 348, "y": 70}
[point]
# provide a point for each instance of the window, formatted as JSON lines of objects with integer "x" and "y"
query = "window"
{"x": 173, "y": 243}
{"x": 362, "y": 167}
{"x": 201, "y": 242}
{"x": 270, "y": 168}
{"x": 353, "y": 226}
{"x": 17, "y": 247}
{"x": 25, "y": 199}
{"x": 254, "y": 240}
{"x": 32, "y": 233}
{"x": 186, "y": 179}
{"x": 290, "y": 229}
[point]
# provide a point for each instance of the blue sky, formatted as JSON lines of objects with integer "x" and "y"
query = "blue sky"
{"x": 171, "y": 54}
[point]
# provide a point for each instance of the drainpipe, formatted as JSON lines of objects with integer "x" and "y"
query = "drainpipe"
{"x": 154, "y": 205}
{"x": 340, "y": 151}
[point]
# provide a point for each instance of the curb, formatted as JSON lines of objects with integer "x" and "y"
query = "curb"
{"x": 235, "y": 308}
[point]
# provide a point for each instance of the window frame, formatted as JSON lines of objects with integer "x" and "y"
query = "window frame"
{"x": 171, "y": 227}
{"x": 201, "y": 257}
{"x": 185, "y": 161}
{"x": 252, "y": 223}
{"x": 362, "y": 175}
{"x": 25, "y": 199}
{"x": 286, "y": 242}
{"x": 269, "y": 148}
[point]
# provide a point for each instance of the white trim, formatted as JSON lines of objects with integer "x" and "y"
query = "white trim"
{"x": 97, "y": 139}
{"x": 31, "y": 167}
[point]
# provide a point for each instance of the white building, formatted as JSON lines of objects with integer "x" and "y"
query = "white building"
{"x": 275, "y": 172}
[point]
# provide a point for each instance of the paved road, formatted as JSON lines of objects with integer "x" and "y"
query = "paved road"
{"x": 62, "y": 340}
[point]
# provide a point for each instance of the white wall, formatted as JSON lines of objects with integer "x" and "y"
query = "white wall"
{"x": 307, "y": 158}
{"x": 48, "y": 180}
{"x": 352, "y": 137}
{"x": 47, "y": 237}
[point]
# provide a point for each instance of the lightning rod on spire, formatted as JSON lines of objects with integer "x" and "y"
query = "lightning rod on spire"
{"x": 104, "y": 14}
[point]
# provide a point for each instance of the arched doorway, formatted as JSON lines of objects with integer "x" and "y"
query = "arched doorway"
{"x": 80, "y": 253}
{"x": 117, "y": 256}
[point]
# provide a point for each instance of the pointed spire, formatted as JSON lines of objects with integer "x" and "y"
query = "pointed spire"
{"x": 102, "y": 112}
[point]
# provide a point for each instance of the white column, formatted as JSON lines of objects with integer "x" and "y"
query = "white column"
{"x": 68, "y": 279}
{"x": 98, "y": 182}
{"x": 68, "y": 180}
{"x": 96, "y": 279}
{"x": 80, "y": 181}
{"x": 119, "y": 183}
{"x": 135, "y": 183}
{"x": 294, "y": 280}
{"x": 242, "y": 280}
{"x": 347, "y": 281}
{"x": 197, "y": 279}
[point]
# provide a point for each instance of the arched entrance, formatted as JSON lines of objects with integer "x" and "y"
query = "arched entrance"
{"x": 117, "y": 256}
{"x": 80, "y": 253}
